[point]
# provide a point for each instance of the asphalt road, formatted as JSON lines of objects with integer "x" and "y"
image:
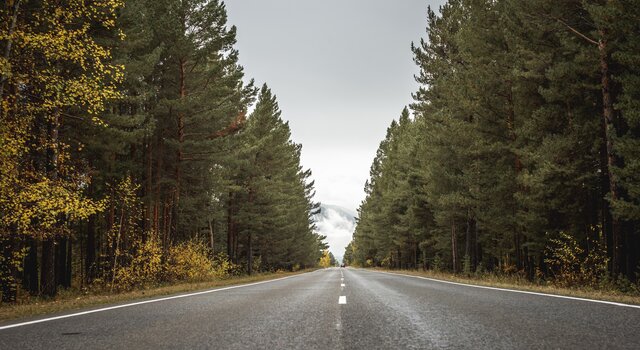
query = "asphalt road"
{"x": 372, "y": 310}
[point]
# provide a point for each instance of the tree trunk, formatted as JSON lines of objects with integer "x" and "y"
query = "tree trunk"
{"x": 468, "y": 243}
{"x": 415, "y": 255}
{"x": 61, "y": 261}
{"x": 454, "y": 248}
{"x": 608, "y": 121}
{"x": 609, "y": 134}
{"x": 160, "y": 218}
{"x": 477, "y": 250}
{"x": 230, "y": 226}
{"x": 69, "y": 269}
{"x": 518, "y": 250}
{"x": 180, "y": 152}
{"x": 47, "y": 268}
{"x": 30, "y": 277}
{"x": 213, "y": 251}
{"x": 7, "y": 49}
{"x": 517, "y": 167}
{"x": 236, "y": 244}
{"x": 116, "y": 251}
{"x": 249, "y": 255}
{"x": 148, "y": 191}
{"x": 90, "y": 259}
{"x": 8, "y": 270}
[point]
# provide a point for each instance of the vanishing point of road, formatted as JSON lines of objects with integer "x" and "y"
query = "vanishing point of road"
{"x": 338, "y": 308}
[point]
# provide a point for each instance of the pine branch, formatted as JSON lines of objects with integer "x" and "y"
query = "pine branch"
{"x": 576, "y": 32}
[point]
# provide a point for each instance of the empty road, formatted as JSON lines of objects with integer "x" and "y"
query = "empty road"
{"x": 339, "y": 309}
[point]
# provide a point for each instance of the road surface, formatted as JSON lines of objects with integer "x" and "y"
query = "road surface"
{"x": 339, "y": 308}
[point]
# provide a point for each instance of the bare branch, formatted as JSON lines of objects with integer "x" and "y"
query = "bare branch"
{"x": 577, "y": 32}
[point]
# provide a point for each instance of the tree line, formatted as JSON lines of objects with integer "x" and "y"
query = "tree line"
{"x": 523, "y": 151}
{"x": 126, "y": 130}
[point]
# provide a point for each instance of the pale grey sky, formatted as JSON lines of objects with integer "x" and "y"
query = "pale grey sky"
{"x": 342, "y": 70}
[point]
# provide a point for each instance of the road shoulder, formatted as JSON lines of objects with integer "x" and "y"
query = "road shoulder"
{"x": 79, "y": 302}
{"x": 522, "y": 287}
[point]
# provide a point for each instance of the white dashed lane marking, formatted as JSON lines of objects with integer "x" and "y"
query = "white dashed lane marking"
{"x": 343, "y": 298}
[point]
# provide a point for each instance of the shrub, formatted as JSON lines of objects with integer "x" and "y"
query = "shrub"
{"x": 223, "y": 267}
{"x": 386, "y": 262}
{"x": 257, "y": 264}
{"x": 572, "y": 265}
{"x": 189, "y": 261}
{"x": 437, "y": 264}
{"x": 144, "y": 265}
{"x": 10, "y": 263}
{"x": 133, "y": 257}
{"x": 466, "y": 265}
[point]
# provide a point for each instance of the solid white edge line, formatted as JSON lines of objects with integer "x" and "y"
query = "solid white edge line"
{"x": 342, "y": 299}
{"x": 512, "y": 290}
{"x": 145, "y": 302}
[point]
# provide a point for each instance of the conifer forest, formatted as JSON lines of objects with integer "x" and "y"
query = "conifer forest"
{"x": 521, "y": 151}
{"x": 155, "y": 192}
{"x": 131, "y": 150}
{"x": 134, "y": 150}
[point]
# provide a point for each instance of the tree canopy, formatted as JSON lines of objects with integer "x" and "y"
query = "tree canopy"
{"x": 126, "y": 140}
{"x": 524, "y": 137}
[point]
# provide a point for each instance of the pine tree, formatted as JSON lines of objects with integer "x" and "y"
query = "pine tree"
{"x": 504, "y": 156}
{"x": 200, "y": 94}
{"x": 273, "y": 193}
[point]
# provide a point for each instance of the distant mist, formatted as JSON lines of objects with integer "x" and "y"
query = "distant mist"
{"x": 338, "y": 224}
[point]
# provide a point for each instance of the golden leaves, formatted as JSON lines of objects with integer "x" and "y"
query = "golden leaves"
{"x": 39, "y": 206}
{"x": 325, "y": 261}
{"x": 56, "y": 64}
{"x": 72, "y": 69}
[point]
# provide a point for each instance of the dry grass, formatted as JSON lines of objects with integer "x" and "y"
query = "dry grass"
{"x": 511, "y": 282}
{"x": 75, "y": 299}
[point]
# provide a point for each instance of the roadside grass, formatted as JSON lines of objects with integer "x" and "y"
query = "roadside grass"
{"x": 517, "y": 283}
{"x": 73, "y": 299}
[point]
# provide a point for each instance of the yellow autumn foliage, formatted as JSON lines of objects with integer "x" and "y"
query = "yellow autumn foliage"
{"x": 571, "y": 265}
{"x": 58, "y": 65}
{"x": 189, "y": 261}
{"x": 138, "y": 258}
{"x": 144, "y": 265}
{"x": 325, "y": 260}
{"x": 60, "y": 35}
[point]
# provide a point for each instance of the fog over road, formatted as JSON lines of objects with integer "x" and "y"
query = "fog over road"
{"x": 340, "y": 309}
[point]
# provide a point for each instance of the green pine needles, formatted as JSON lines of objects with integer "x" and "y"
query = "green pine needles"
{"x": 526, "y": 122}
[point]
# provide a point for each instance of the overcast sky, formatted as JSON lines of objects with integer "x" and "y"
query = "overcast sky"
{"x": 342, "y": 70}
